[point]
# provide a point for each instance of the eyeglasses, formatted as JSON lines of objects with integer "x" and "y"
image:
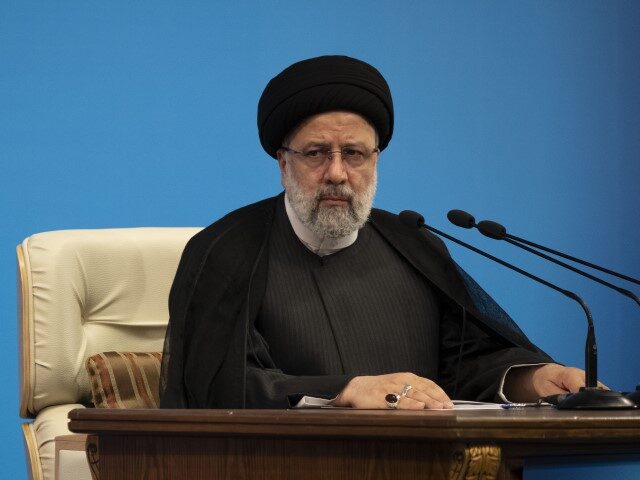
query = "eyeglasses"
{"x": 317, "y": 157}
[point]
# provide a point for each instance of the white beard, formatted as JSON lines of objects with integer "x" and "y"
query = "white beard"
{"x": 330, "y": 221}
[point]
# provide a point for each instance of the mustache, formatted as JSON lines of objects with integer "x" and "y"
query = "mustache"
{"x": 337, "y": 191}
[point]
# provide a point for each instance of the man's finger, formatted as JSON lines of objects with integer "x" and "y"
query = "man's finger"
{"x": 406, "y": 403}
{"x": 573, "y": 383}
{"x": 431, "y": 401}
{"x": 433, "y": 390}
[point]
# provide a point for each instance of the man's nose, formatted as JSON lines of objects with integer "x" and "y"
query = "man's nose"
{"x": 336, "y": 171}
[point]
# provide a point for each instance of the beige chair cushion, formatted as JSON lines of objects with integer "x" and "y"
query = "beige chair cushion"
{"x": 125, "y": 379}
{"x": 40, "y": 438}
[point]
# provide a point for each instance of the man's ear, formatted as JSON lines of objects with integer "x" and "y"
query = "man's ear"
{"x": 282, "y": 164}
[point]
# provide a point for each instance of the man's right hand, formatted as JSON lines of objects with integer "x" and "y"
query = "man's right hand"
{"x": 370, "y": 392}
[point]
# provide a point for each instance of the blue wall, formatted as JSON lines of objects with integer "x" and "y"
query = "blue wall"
{"x": 144, "y": 114}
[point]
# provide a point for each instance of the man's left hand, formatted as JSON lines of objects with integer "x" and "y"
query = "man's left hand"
{"x": 528, "y": 384}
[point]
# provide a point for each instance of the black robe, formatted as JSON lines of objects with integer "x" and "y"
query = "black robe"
{"x": 218, "y": 291}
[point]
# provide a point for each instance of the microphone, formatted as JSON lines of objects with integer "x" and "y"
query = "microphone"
{"x": 590, "y": 396}
{"x": 461, "y": 218}
{"x": 496, "y": 231}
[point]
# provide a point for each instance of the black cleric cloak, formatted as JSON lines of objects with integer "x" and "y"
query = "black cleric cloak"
{"x": 220, "y": 283}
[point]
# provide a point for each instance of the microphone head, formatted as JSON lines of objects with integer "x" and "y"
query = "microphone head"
{"x": 492, "y": 229}
{"x": 411, "y": 218}
{"x": 460, "y": 218}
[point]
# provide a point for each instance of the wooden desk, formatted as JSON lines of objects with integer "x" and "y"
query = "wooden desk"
{"x": 343, "y": 444}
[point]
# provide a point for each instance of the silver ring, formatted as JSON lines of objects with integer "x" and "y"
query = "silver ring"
{"x": 392, "y": 400}
{"x": 405, "y": 390}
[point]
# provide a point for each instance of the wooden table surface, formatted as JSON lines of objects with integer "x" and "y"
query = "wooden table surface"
{"x": 419, "y": 443}
{"x": 529, "y": 424}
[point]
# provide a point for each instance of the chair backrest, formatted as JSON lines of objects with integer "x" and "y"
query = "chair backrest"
{"x": 88, "y": 291}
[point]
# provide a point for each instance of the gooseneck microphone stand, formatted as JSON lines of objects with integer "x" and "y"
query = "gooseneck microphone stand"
{"x": 590, "y": 396}
{"x": 497, "y": 231}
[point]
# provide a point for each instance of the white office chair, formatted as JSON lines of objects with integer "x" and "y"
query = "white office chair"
{"x": 83, "y": 292}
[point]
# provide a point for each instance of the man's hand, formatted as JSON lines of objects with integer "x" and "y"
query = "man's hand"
{"x": 528, "y": 384}
{"x": 370, "y": 392}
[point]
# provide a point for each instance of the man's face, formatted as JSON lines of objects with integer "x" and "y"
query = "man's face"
{"x": 333, "y": 198}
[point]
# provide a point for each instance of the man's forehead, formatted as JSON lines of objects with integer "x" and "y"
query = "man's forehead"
{"x": 322, "y": 127}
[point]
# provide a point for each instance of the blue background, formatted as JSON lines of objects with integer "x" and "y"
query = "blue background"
{"x": 116, "y": 114}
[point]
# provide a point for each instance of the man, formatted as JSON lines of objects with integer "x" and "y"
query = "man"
{"x": 313, "y": 293}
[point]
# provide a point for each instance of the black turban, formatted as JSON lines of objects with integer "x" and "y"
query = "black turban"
{"x": 323, "y": 84}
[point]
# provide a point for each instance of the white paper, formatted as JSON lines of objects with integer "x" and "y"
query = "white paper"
{"x": 314, "y": 402}
{"x": 469, "y": 405}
